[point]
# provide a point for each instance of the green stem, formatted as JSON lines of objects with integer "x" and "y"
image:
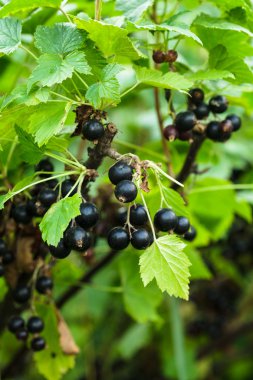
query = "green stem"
{"x": 11, "y": 151}
{"x": 66, "y": 15}
{"x": 77, "y": 90}
{"x": 81, "y": 80}
{"x": 29, "y": 51}
{"x": 149, "y": 217}
{"x": 64, "y": 160}
{"x": 63, "y": 97}
{"x": 129, "y": 89}
{"x": 98, "y": 9}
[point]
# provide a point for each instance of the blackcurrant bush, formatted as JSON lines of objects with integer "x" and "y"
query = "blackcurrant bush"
{"x": 1, "y": 270}
{"x": 165, "y": 220}
{"x": 185, "y": 121}
{"x": 47, "y": 197}
{"x": 118, "y": 238}
{"x": 235, "y": 120}
{"x": 138, "y": 215}
{"x": 16, "y": 323}
{"x": 218, "y": 104}
{"x": 89, "y": 215}
{"x": 182, "y": 226}
{"x": 121, "y": 215}
{"x": 3, "y": 247}
{"x": 22, "y": 294}
{"x": 140, "y": 239}
{"x": 190, "y": 234}
{"x": 158, "y": 56}
{"x": 125, "y": 191}
{"x": 35, "y": 325}
{"x": 66, "y": 187}
{"x": 44, "y": 166}
{"x": 93, "y": 130}
{"x": 77, "y": 239}
{"x": 43, "y": 284}
{"x": 38, "y": 344}
{"x": 22, "y": 334}
{"x": 202, "y": 111}
{"x": 20, "y": 214}
{"x": 213, "y": 131}
{"x": 119, "y": 172}
{"x": 196, "y": 96}
{"x": 7, "y": 258}
{"x": 60, "y": 251}
{"x": 170, "y": 132}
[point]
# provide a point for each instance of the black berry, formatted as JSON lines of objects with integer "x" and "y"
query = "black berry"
{"x": 218, "y": 104}
{"x": 185, "y": 121}
{"x": 47, "y": 197}
{"x": 44, "y": 166}
{"x": 213, "y": 130}
{"x": 196, "y": 96}
{"x": 170, "y": 132}
{"x": 138, "y": 215}
{"x": 202, "y": 111}
{"x": 35, "y": 208}
{"x": 8, "y": 258}
{"x": 182, "y": 226}
{"x": 93, "y": 130}
{"x": 20, "y": 214}
{"x": 119, "y": 172}
{"x": 165, "y": 220}
{"x": 125, "y": 191}
{"x": 121, "y": 215}
{"x": 21, "y": 294}
{"x": 35, "y": 325}
{"x": 22, "y": 334}
{"x": 66, "y": 187}
{"x": 235, "y": 120}
{"x": 15, "y": 323}
{"x": 190, "y": 234}
{"x": 118, "y": 238}
{"x": 171, "y": 56}
{"x": 158, "y": 56}
{"x": 43, "y": 284}
{"x": 185, "y": 136}
{"x": 3, "y": 247}
{"x": 38, "y": 344}
{"x": 140, "y": 239}
{"x": 89, "y": 215}
{"x": 77, "y": 238}
{"x": 60, "y": 251}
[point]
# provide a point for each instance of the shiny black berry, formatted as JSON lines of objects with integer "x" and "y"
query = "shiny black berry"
{"x": 235, "y": 120}
{"x": 119, "y": 172}
{"x": 118, "y": 238}
{"x": 3, "y": 247}
{"x": 140, "y": 239}
{"x": 16, "y": 323}
{"x": 44, "y": 166}
{"x": 125, "y": 191}
{"x": 190, "y": 234}
{"x": 121, "y": 215}
{"x": 196, "y": 96}
{"x": 185, "y": 121}
{"x": 213, "y": 131}
{"x": 202, "y": 111}
{"x": 182, "y": 226}
{"x": 22, "y": 334}
{"x": 218, "y": 104}
{"x": 20, "y": 214}
{"x": 35, "y": 325}
{"x": 66, "y": 187}
{"x": 93, "y": 130}
{"x": 35, "y": 207}
{"x": 7, "y": 258}
{"x": 138, "y": 215}
{"x": 89, "y": 215}
{"x": 44, "y": 284}
{"x": 158, "y": 56}
{"x": 170, "y": 132}
{"x": 38, "y": 344}
{"x": 165, "y": 220}
{"x": 22, "y": 294}
{"x": 60, "y": 251}
{"x": 47, "y": 197}
{"x": 77, "y": 239}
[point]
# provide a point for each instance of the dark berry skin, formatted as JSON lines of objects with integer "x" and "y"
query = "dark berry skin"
{"x": 196, "y": 96}
{"x": 202, "y": 111}
{"x": 77, "y": 239}
{"x": 118, "y": 238}
{"x": 171, "y": 56}
{"x": 226, "y": 126}
{"x": 165, "y": 220}
{"x": 125, "y": 191}
{"x": 21, "y": 294}
{"x": 60, "y": 251}
{"x": 191, "y": 234}
{"x": 185, "y": 136}
{"x": 44, "y": 166}
{"x": 213, "y": 130}
{"x": 140, "y": 239}
{"x": 218, "y": 104}
{"x": 38, "y": 344}
{"x": 8, "y": 258}
{"x": 44, "y": 284}
{"x": 1, "y": 270}
{"x": 89, "y": 215}
{"x": 182, "y": 226}
{"x": 236, "y": 121}
{"x": 3, "y": 247}
{"x": 121, "y": 216}
{"x": 15, "y": 324}
{"x": 35, "y": 208}
{"x": 138, "y": 215}
{"x": 170, "y": 133}
{"x": 20, "y": 214}
{"x": 47, "y": 197}
{"x": 93, "y": 130}
{"x": 185, "y": 121}
{"x": 22, "y": 334}
{"x": 158, "y": 56}
{"x": 119, "y": 172}
{"x": 35, "y": 325}
{"x": 66, "y": 187}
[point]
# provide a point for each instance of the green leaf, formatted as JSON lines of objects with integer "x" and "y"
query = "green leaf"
{"x": 3, "y": 289}
{"x": 58, "y": 217}
{"x": 243, "y": 209}
{"x": 175, "y": 201}
{"x": 133, "y": 9}
{"x": 107, "y": 88}
{"x": 10, "y": 35}
{"x": 198, "y": 268}
{"x": 58, "y": 39}
{"x": 47, "y": 120}
{"x": 166, "y": 262}
{"x": 211, "y": 74}
{"x": 17, "y": 6}
{"x": 23, "y": 183}
{"x": 4, "y": 198}
{"x": 217, "y": 23}
{"x": 30, "y": 151}
{"x": 157, "y": 79}
{"x": 136, "y": 337}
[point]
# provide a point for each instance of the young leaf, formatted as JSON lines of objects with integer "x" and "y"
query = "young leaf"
{"x": 17, "y": 6}
{"x": 133, "y": 9}
{"x": 58, "y": 39}
{"x": 166, "y": 262}
{"x": 30, "y": 151}
{"x": 58, "y": 217}
{"x": 10, "y": 34}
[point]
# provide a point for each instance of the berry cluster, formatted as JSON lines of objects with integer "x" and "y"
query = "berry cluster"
{"x": 21, "y": 330}
{"x": 169, "y": 56}
{"x": 92, "y": 130}
{"x": 189, "y": 123}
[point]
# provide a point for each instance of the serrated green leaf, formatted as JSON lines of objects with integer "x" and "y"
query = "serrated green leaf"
{"x": 175, "y": 201}
{"x": 58, "y": 39}
{"x": 30, "y": 151}
{"x": 166, "y": 262}
{"x": 10, "y": 34}
{"x": 133, "y": 9}
{"x": 17, "y": 6}
{"x": 58, "y": 217}
{"x": 211, "y": 74}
